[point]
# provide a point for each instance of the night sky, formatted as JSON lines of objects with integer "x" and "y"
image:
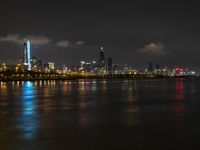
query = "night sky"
{"x": 136, "y": 32}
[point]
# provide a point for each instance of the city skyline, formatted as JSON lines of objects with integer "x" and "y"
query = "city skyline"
{"x": 98, "y": 66}
{"x": 101, "y": 64}
{"x": 135, "y": 32}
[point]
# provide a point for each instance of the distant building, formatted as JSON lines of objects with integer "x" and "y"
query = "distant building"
{"x": 39, "y": 64}
{"x": 101, "y": 58}
{"x": 94, "y": 67}
{"x": 101, "y": 63}
{"x": 3, "y": 67}
{"x": 115, "y": 68}
{"x": 26, "y": 54}
{"x": 82, "y": 65}
{"x": 64, "y": 68}
{"x": 157, "y": 66}
{"x": 34, "y": 63}
{"x": 46, "y": 66}
{"x": 109, "y": 65}
{"x": 150, "y": 68}
{"x": 88, "y": 66}
{"x": 157, "y": 70}
{"x": 51, "y": 65}
{"x": 85, "y": 66}
{"x": 127, "y": 69}
{"x": 20, "y": 60}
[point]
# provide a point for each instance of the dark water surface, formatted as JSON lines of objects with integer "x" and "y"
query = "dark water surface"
{"x": 100, "y": 114}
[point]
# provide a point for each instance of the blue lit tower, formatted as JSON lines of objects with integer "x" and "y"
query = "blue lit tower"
{"x": 26, "y": 54}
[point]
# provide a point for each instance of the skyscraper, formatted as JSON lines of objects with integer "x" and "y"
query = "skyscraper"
{"x": 101, "y": 58}
{"x": 51, "y": 66}
{"x": 150, "y": 69}
{"x": 157, "y": 66}
{"x": 109, "y": 65}
{"x": 26, "y": 54}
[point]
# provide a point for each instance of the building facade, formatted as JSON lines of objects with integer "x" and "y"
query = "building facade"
{"x": 27, "y": 54}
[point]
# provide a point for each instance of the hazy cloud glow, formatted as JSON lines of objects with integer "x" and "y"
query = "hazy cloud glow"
{"x": 69, "y": 44}
{"x": 79, "y": 43}
{"x": 14, "y": 38}
{"x": 39, "y": 40}
{"x": 154, "y": 49}
{"x": 63, "y": 43}
{"x": 18, "y": 39}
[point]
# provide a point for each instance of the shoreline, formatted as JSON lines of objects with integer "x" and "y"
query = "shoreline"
{"x": 62, "y": 77}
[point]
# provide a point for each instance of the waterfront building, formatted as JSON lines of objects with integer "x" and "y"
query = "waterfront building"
{"x": 26, "y": 54}
{"x": 3, "y": 67}
{"x": 94, "y": 66}
{"x": 88, "y": 66}
{"x": 157, "y": 66}
{"x": 157, "y": 69}
{"x": 82, "y": 65}
{"x": 115, "y": 68}
{"x": 51, "y": 65}
{"x": 64, "y": 69}
{"x": 101, "y": 63}
{"x": 110, "y": 65}
{"x": 34, "y": 63}
{"x": 150, "y": 68}
{"x": 101, "y": 58}
{"x": 39, "y": 64}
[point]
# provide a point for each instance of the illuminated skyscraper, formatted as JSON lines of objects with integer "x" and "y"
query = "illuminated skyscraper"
{"x": 26, "y": 54}
{"x": 101, "y": 58}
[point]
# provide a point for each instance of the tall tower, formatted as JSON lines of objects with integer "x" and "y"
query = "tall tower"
{"x": 101, "y": 58}
{"x": 150, "y": 69}
{"x": 109, "y": 65}
{"x": 27, "y": 54}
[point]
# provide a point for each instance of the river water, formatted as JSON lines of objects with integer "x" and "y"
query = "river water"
{"x": 100, "y": 114}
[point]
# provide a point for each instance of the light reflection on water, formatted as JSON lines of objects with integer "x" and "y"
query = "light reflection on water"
{"x": 52, "y": 107}
{"x": 180, "y": 99}
{"x": 179, "y": 89}
{"x": 28, "y": 120}
{"x": 133, "y": 109}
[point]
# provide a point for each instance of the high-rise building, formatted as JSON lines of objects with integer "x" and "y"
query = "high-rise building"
{"x": 94, "y": 66}
{"x": 82, "y": 65}
{"x": 115, "y": 68}
{"x": 127, "y": 69}
{"x": 109, "y": 65}
{"x": 26, "y": 54}
{"x": 157, "y": 70}
{"x": 33, "y": 61}
{"x": 39, "y": 64}
{"x": 101, "y": 58}
{"x": 150, "y": 68}
{"x": 157, "y": 66}
{"x": 51, "y": 65}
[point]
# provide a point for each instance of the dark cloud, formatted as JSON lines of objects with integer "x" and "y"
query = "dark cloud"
{"x": 122, "y": 27}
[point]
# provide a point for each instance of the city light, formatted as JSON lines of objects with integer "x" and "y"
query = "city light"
{"x": 31, "y": 68}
